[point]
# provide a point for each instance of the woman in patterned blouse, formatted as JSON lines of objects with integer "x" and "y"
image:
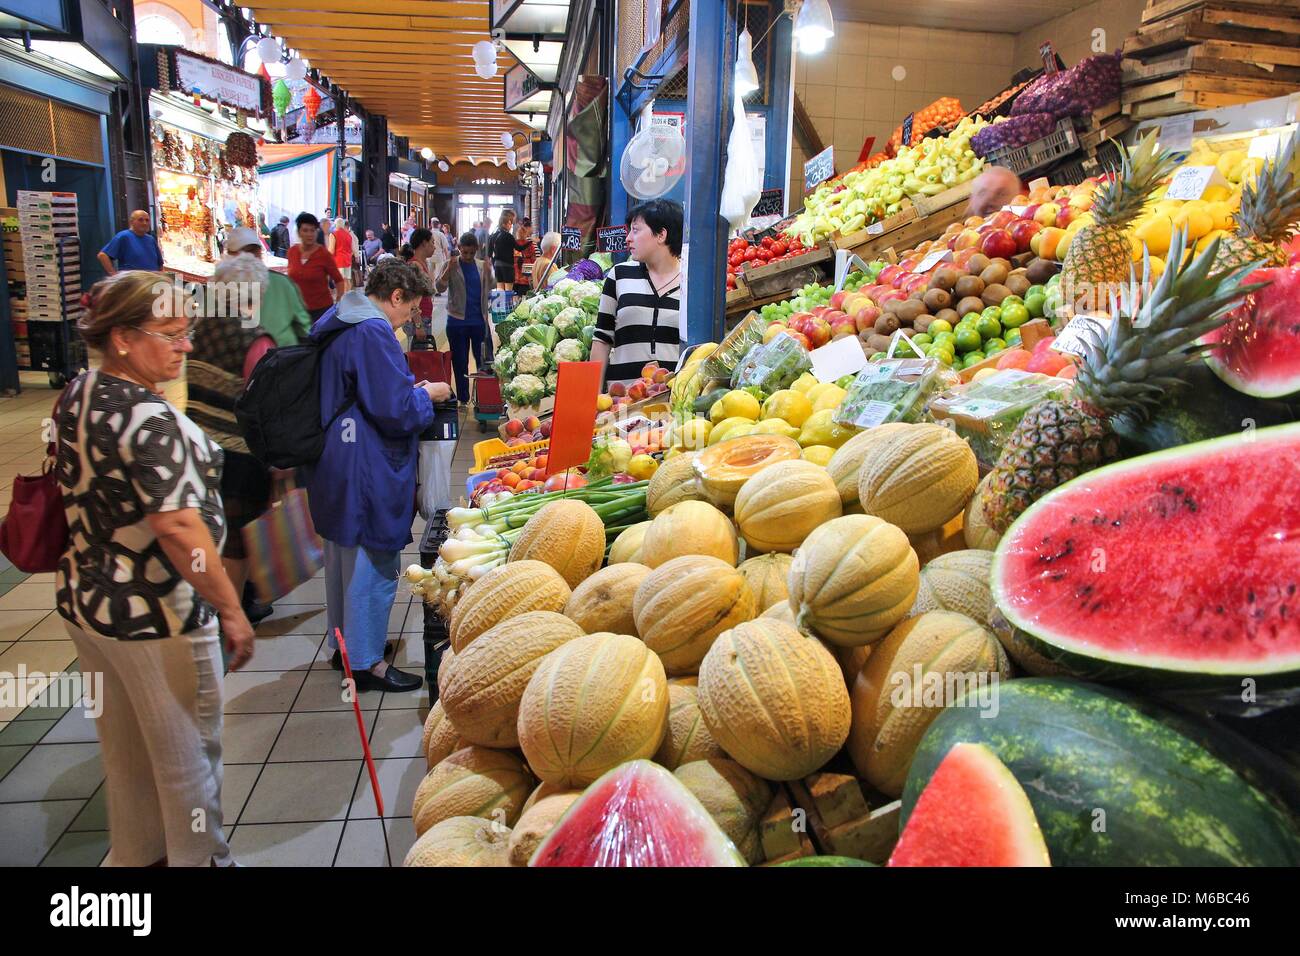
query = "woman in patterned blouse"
{"x": 141, "y": 586}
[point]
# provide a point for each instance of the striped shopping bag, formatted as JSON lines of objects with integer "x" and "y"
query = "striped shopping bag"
{"x": 283, "y": 547}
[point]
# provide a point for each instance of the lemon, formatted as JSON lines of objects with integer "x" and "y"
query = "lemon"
{"x": 722, "y": 428}
{"x": 1230, "y": 162}
{"x": 642, "y": 467}
{"x": 1156, "y": 233}
{"x": 794, "y": 407}
{"x": 805, "y": 382}
{"x": 1215, "y": 193}
{"x": 818, "y": 390}
{"x": 1249, "y": 169}
{"x": 776, "y": 426}
{"x": 1221, "y": 212}
{"x": 820, "y": 430}
{"x": 818, "y": 454}
{"x": 1077, "y": 224}
{"x": 830, "y": 398}
{"x": 673, "y": 451}
{"x": 772, "y": 331}
{"x": 739, "y": 404}
{"x": 1157, "y": 266}
{"x": 716, "y": 414}
{"x": 1204, "y": 242}
{"x": 693, "y": 433}
{"x": 1194, "y": 217}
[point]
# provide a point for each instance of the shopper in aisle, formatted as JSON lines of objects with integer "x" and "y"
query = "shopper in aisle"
{"x": 341, "y": 247}
{"x": 441, "y": 251}
{"x": 547, "y": 270}
{"x": 386, "y": 238}
{"x": 639, "y": 317}
{"x": 417, "y": 253}
{"x": 526, "y": 257}
{"x": 371, "y": 248}
{"x": 361, "y": 489}
{"x": 133, "y": 248}
{"x": 408, "y": 227}
{"x": 993, "y": 189}
{"x": 481, "y": 231}
{"x": 280, "y": 238}
{"x": 502, "y": 247}
{"x": 281, "y": 313}
{"x": 467, "y": 281}
{"x": 311, "y": 267}
{"x": 141, "y": 586}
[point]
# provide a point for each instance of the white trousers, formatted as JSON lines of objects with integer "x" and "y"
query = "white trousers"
{"x": 160, "y": 731}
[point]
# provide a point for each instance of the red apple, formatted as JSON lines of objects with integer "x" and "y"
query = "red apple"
{"x": 835, "y": 315}
{"x": 1022, "y": 231}
{"x": 963, "y": 256}
{"x": 967, "y": 239}
{"x": 820, "y": 310}
{"x": 865, "y": 318}
{"x": 1046, "y": 213}
{"x": 819, "y": 332}
{"x": 907, "y": 265}
{"x": 1003, "y": 217}
{"x": 917, "y": 280}
{"x": 801, "y": 339}
{"x": 837, "y": 300}
{"x": 888, "y": 275}
{"x": 889, "y": 295}
{"x": 843, "y": 326}
{"x": 998, "y": 244}
{"x": 1066, "y": 216}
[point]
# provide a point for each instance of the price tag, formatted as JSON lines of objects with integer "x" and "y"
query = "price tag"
{"x": 571, "y": 238}
{"x": 1176, "y": 132}
{"x": 933, "y": 259}
{"x": 876, "y": 228}
{"x": 1018, "y": 211}
{"x": 873, "y": 414}
{"x": 611, "y": 239}
{"x": 840, "y": 357}
{"x": 1265, "y": 147}
{"x": 978, "y": 408}
{"x": 771, "y": 202}
{"x": 907, "y": 129}
{"x": 1048, "y": 53}
{"x": 1079, "y": 332}
{"x": 1190, "y": 182}
{"x": 819, "y": 169}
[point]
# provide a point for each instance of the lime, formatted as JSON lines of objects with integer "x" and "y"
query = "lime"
{"x": 1015, "y": 315}
{"x": 876, "y": 357}
{"x": 921, "y": 338}
{"x": 946, "y": 356}
{"x": 1035, "y": 304}
{"x": 1013, "y": 338}
{"x": 993, "y": 312}
{"x": 903, "y": 350}
{"x": 1054, "y": 280}
{"x": 993, "y": 346}
{"x": 1035, "y": 290}
{"x": 968, "y": 339}
{"x": 972, "y": 358}
{"x": 1011, "y": 300}
{"x": 945, "y": 338}
{"x": 988, "y": 327}
{"x": 940, "y": 325}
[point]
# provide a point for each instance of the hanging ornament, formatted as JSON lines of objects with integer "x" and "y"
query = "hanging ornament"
{"x": 281, "y": 96}
{"x": 311, "y": 102}
{"x": 268, "y": 51}
{"x": 295, "y": 70}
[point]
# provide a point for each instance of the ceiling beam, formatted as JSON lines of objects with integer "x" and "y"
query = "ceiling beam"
{"x": 372, "y": 21}
{"x": 476, "y": 9}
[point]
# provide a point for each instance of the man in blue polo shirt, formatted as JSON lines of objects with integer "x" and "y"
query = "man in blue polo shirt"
{"x": 133, "y": 248}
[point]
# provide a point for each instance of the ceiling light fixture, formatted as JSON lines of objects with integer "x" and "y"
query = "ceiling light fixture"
{"x": 813, "y": 26}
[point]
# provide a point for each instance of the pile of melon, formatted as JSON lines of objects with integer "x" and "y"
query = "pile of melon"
{"x": 750, "y": 633}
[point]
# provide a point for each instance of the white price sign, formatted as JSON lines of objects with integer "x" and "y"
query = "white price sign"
{"x": 933, "y": 259}
{"x": 1190, "y": 182}
{"x": 876, "y": 228}
{"x": 841, "y": 357}
{"x": 1176, "y": 133}
{"x": 1265, "y": 147}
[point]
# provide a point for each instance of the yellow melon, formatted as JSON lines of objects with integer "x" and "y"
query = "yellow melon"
{"x": 922, "y": 666}
{"x": 725, "y": 467}
{"x": 945, "y": 540}
{"x": 734, "y": 797}
{"x": 603, "y": 602}
{"x": 781, "y": 611}
{"x": 918, "y": 479}
{"x": 689, "y": 527}
{"x": 538, "y": 818}
{"x": 513, "y": 588}
{"x": 444, "y": 668}
{"x": 673, "y": 482}
{"x": 777, "y": 508}
{"x": 566, "y": 534}
{"x": 472, "y": 782}
{"x": 683, "y": 605}
{"x": 853, "y": 579}
{"x": 975, "y": 527}
{"x": 766, "y": 576}
{"x": 957, "y": 581}
{"x": 851, "y": 660}
{"x": 847, "y": 460}
{"x": 627, "y": 546}
{"x": 486, "y": 683}
{"x": 441, "y": 739}
{"x": 687, "y": 738}
{"x": 461, "y": 841}
{"x": 594, "y": 703}
{"x": 773, "y": 699}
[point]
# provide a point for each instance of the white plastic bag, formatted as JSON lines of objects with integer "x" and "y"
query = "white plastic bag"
{"x": 435, "y": 477}
{"x": 741, "y": 184}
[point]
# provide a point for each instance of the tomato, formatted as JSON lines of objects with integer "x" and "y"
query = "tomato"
{"x": 751, "y": 255}
{"x": 767, "y": 242}
{"x": 780, "y": 247}
{"x": 736, "y": 259}
{"x": 731, "y": 282}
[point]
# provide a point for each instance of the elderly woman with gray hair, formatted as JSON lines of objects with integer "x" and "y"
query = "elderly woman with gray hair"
{"x": 547, "y": 268}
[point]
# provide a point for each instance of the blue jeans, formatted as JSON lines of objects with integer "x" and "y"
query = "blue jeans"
{"x": 461, "y": 337}
{"x": 360, "y": 587}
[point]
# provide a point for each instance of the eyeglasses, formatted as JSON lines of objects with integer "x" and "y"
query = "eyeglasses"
{"x": 174, "y": 339}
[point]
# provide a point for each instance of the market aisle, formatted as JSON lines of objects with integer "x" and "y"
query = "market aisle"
{"x": 296, "y": 790}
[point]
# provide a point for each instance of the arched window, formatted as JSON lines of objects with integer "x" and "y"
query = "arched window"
{"x": 156, "y": 28}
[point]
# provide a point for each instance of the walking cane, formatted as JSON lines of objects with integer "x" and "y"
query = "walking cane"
{"x": 365, "y": 740}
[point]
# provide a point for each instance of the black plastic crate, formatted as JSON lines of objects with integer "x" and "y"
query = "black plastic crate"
{"x": 436, "y": 642}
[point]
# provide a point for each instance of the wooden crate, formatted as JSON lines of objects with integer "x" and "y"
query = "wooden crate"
{"x": 1198, "y": 91}
{"x": 845, "y": 818}
{"x": 787, "y": 274}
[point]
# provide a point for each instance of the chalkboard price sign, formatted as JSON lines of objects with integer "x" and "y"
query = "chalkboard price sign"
{"x": 770, "y": 203}
{"x": 907, "y": 129}
{"x": 819, "y": 169}
{"x": 612, "y": 239}
{"x": 571, "y": 238}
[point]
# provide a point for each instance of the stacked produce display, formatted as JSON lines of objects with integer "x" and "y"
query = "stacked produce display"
{"x": 543, "y": 331}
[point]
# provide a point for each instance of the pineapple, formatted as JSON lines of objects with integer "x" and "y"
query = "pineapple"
{"x": 1100, "y": 257}
{"x": 1270, "y": 209}
{"x": 1127, "y": 374}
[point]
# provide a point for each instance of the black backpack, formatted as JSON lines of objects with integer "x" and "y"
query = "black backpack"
{"x": 279, "y": 410}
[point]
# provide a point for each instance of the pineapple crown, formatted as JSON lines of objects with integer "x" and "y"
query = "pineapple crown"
{"x": 1270, "y": 205}
{"x": 1121, "y": 199}
{"x": 1147, "y": 346}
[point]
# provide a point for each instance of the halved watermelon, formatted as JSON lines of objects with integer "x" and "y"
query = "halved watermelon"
{"x": 1178, "y": 570}
{"x": 637, "y": 814}
{"x": 1258, "y": 350}
{"x": 971, "y": 813}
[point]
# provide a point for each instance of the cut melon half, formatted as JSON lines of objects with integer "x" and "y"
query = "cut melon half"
{"x": 971, "y": 813}
{"x": 637, "y": 814}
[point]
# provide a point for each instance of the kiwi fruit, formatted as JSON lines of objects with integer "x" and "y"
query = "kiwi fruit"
{"x": 1040, "y": 270}
{"x": 937, "y": 299}
{"x": 878, "y": 343}
{"x": 945, "y": 277}
{"x": 922, "y": 323}
{"x": 994, "y": 274}
{"x": 971, "y": 303}
{"x": 977, "y": 263}
{"x": 968, "y": 286}
{"x": 916, "y": 294}
{"x": 999, "y": 261}
{"x": 948, "y": 315}
{"x": 892, "y": 305}
{"x": 994, "y": 294}
{"x": 1022, "y": 259}
{"x": 908, "y": 310}
{"x": 1017, "y": 283}
{"x": 887, "y": 323}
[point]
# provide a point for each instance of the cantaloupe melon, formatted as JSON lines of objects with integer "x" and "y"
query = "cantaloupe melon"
{"x": 603, "y": 602}
{"x": 538, "y": 819}
{"x": 774, "y": 699}
{"x": 472, "y": 782}
{"x": 673, "y": 482}
{"x": 919, "y": 478}
{"x": 848, "y": 458}
{"x": 945, "y": 540}
{"x": 922, "y": 666}
{"x": 781, "y": 611}
{"x": 853, "y": 579}
{"x": 566, "y": 534}
{"x": 487, "y": 681}
{"x": 627, "y": 546}
{"x": 734, "y": 797}
{"x": 444, "y": 669}
{"x": 851, "y": 660}
{"x": 975, "y": 527}
{"x": 766, "y": 576}
{"x": 687, "y": 738}
{"x": 958, "y": 581}
{"x": 513, "y": 588}
{"x": 689, "y": 527}
{"x": 594, "y": 703}
{"x": 684, "y": 604}
{"x": 723, "y": 468}
{"x": 441, "y": 739}
{"x": 461, "y": 841}
{"x": 778, "y": 507}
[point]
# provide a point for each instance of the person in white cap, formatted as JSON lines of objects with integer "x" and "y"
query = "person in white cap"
{"x": 282, "y": 314}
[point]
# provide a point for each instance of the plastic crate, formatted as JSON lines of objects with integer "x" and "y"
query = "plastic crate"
{"x": 1071, "y": 172}
{"x": 1059, "y": 143}
{"x": 436, "y": 642}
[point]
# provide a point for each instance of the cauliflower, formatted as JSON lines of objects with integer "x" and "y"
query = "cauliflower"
{"x": 549, "y": 307}
{"x": 524, "y": 309}
{"x": 516, "y": 337}
{"x": 568, "y": 323}
{"x": 525, "y": 390}
{"x": 563, "y": 286}
{"x": 570, "y": 350}
{"x": 505, "y": 362}
{"x": 552, "y": 380}
{"x": 531, "y": 359}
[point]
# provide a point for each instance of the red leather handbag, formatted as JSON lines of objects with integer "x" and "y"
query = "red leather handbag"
{"x": 34, "y": 534}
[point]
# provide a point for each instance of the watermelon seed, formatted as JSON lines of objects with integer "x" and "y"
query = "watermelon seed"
{"x": 1250, "y": 597}
{"x": 1219, "y": 609}
{"x": 1290, "y": 589}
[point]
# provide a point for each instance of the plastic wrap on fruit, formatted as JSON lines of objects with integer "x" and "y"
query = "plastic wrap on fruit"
{"x": 773, "y": 366}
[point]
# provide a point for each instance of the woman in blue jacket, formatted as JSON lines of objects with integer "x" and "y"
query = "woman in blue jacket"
{"x": 362, "y": 489}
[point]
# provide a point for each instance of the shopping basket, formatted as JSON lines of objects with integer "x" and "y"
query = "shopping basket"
{"x": 485, "y": 389}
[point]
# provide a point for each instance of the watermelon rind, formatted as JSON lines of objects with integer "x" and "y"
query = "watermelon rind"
{"x": 826, "y": 861}
{"x": 1207, "y": 679}
{"x": 1247, "y": 324}
{"x": 714, "y": 847}
{"x": 1114, "y": 783}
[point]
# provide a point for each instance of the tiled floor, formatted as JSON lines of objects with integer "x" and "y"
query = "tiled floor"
{"x": 296, "y": 791}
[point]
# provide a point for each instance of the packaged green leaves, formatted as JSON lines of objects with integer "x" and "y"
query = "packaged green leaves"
{"x": 893, "y": 390}
{"x": 773, "y": 365}
{"x": 986, "y": 411}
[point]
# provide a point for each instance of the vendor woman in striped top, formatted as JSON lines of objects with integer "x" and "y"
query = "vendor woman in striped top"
{"x": 639, "y": 320}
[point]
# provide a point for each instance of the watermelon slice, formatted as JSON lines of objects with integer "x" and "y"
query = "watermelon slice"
{"x": 1258, "y": 350}
{"x": 1178, "y": 570}
{"x": 826, "y": 861}
{"x": 971, "y": 813}
{"x": 637, "y": 814}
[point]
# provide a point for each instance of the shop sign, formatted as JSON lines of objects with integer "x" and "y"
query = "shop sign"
{"x": 520, "y": 84}
{"x": 611, "y": 239}
{"x": 571, "y": 238}
{"x": 907, "y": 129}
{"x": 819, "y": 169}
{"x": 221, "y": 83}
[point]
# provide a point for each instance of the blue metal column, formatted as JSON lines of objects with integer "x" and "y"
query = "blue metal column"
{"x": 708, "y": 124}
{"x": 780, "y": 132}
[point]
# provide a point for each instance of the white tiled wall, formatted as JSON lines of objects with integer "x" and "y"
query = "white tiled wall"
{"x": 1073, "y": 33}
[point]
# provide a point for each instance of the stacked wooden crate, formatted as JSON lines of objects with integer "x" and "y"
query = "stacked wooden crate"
{"x": 1203, "y": 54}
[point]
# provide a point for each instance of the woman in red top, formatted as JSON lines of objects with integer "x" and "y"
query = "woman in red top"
{"x": 339, "y": 244}
{"x": 311, "y": 267}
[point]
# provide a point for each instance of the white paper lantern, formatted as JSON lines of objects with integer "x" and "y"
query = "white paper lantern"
{"x": 486, "y": 71}
{"x": 485, "y": 51}
{"x": 442, "y": 164}
{"x": 295, "y": 71}
{"x": 268, "y": 50}
{"x": 507, "y": 140}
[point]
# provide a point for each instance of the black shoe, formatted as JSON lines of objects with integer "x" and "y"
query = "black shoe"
{"x": 336, "y": 660}
{"x": 393, "y": 680}
{"x": 256, "y": 611}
